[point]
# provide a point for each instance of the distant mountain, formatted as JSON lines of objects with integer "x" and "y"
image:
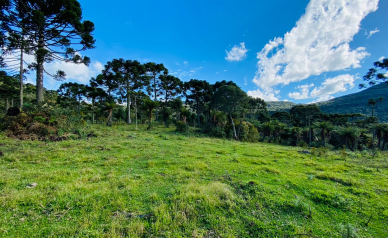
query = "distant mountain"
{"x": 358, "y": 102}
{"x": 279, "y": 106}
{"x": 352, "y": 103}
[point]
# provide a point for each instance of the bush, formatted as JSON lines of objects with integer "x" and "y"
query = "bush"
{"x": 253, "y": 134}
{"x": 181, "y": 126}
{"x": 218, "y": 132}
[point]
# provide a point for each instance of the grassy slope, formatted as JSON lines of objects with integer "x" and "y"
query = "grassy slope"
{"x": 169, "y": 185}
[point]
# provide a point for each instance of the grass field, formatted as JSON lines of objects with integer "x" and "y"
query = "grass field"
{"x": 127, "y": 183}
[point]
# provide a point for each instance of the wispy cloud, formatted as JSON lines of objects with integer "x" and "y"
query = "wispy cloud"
{"x": 373, "y": 32}
{"x": 237, "y": 53}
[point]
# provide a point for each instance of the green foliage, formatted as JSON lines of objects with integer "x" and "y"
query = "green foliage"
{"x": 181, "y": 126}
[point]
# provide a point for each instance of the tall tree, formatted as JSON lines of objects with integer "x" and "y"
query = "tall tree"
{"x": 92, "y": 92}
{"x": 127, "y": 75}
{"x": 232, "y": 100}
{"x": 54, "y": 27}
{"x": 155, "y": 70}
{"x": 74, "y": 91}
{"x": 105, "y": 81}
{"x": 373, "y": 102}
{"x": 325, "y": 128}
{"x": 170, "y": 86}
{"x": 8, "y": 89}
{"x": 150, "y": 105}
{"x": 198, "y": 93}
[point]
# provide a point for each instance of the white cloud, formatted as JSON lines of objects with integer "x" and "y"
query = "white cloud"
{"x": 78, "y": 72}
{"x": 237, "y": 53}
{"x": 373, "y": 32}
{"x": 381, "y": 58}
{"x": 75, "y": 72}
{"x": 245, "y": 80}
{"x": 330, "y": 86}
{"x": 334, "y": 85}
{"x": 303, "y": 92}
{"x": 267, "y": 95}
{"x": 185, "y": 62}
{"x": 318, "y": 43}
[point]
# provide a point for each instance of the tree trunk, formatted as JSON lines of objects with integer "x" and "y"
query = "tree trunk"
{"x": 156, "y": 108}
{"x": 234, "y": 128}
{"x": 21, "y": 78}
{"x": 128, "y": 108}
{"x": 198, "y": 114}
{"x": 79, "y": 104}
{"x": 135, "y": 114}
{"x": 12, "y": 102}
{"x": 150, "y": 117}
{"x": 347, "y": 142}
{"x": 324, "y": 138}
{"x": 6, "y": 106}
{"x": 239, "y": 127}
{"x": 109, "y": 122}
{"x": 92, "y": 111}
{"x": 39, "y": 72}
{"x": 310, "y": 129}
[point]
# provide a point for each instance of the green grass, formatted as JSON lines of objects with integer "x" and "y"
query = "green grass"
{"x": 127, "y": 183}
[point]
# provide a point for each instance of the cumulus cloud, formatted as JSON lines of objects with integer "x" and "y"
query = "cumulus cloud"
{"x": 373, "y": 32}
{"x": 330, "y": 86}
{"x": 78, "y": 72}
{"x": 318, "y": 43}
{"x": 303, "y": 92}
{"x": 237, "y": 53}
{"x": 75, "y": 72}
{"x": 267, "y": 95}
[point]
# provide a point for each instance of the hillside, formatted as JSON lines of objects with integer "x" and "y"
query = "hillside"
{"x": 127, "y": 183}
{"x": 358, "y": 102}
{"x": 275, "y": 106}
{"x": 352, "y": 103}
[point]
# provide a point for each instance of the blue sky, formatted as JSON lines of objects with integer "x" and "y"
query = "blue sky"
{"x": 301, "y": 51}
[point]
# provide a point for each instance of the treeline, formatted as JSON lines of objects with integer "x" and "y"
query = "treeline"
{"x": 129, "y": 92}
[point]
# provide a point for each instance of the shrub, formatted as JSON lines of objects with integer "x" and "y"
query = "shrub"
{"x": 217, "y": 132}
{"x": 181, "y": 126}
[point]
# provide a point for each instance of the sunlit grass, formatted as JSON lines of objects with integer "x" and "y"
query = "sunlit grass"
{"x": 128, "y": 183}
